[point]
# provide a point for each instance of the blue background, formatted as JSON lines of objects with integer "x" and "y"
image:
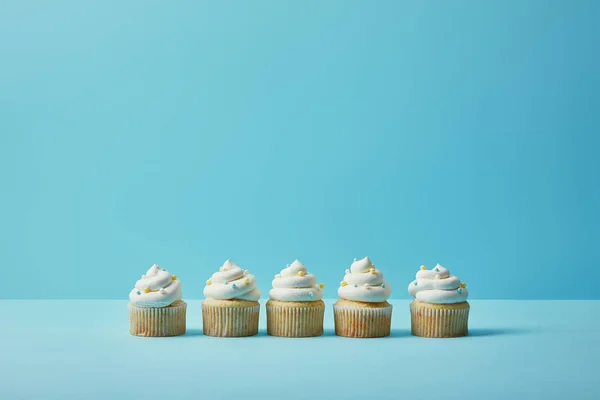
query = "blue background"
{"x": 185, "y": 133}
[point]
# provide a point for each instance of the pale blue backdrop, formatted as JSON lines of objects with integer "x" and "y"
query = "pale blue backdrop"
{"x": 187, "y": 132}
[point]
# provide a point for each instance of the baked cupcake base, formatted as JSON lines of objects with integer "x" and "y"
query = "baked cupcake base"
{"x": 439, "y": 320}
{"x": 157, "y": 321}
{"x": 230, "y": 318}
{"x": 295, "y": 318}
{"x": 362, "y": 320}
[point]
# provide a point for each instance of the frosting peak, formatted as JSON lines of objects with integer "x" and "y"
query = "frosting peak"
{"x": 231, "y": 282}
{"x": 228, "y": 265}
{"x": 438, "y": 272}
{"x": 363, "y": 265}
{"x": 438, "y": 286}
{"x": 363, "y": 282}
{"x": 295, "y": 283}
{"x": 293, "y": 269}
{"x": 156, "y": 288}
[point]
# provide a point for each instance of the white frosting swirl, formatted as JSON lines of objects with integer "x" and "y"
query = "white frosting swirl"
{"x": 295, "y": 283}
{"x": 438, "y": 286}
{"x": 231, "y": 282}
{"x": 363, "y": 282}
{"x": 157, "y": 288}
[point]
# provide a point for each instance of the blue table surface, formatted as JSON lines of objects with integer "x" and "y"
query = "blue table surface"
{"x": 81, "y": 349}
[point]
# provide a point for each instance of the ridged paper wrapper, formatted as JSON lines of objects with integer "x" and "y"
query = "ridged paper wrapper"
{"x": 230, "y": 318}
{"x": 157, "y": 321}
{"x": 362, "y": 320}
{"x": 295, "y": 318}
{"x": 439, "y": 320}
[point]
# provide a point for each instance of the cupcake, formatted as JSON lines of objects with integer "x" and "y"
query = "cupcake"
{"x": 231, "y": 307}
{"x": 440, "y": 308}
{"x": 156, "y": 307}
{"x": 295, "y": 308}
{"x": 362, "y": 310}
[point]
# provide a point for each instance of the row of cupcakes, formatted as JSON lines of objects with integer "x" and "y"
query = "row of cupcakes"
{"x": 295, "y": 307}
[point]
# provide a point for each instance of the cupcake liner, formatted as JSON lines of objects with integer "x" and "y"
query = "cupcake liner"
{"x": 439, "y": 321}
{"x": 362, "y": 322}
{"x": 157, "y": 321}
{"x": 237, "y": 321}
{"x": 295, "y": 321}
